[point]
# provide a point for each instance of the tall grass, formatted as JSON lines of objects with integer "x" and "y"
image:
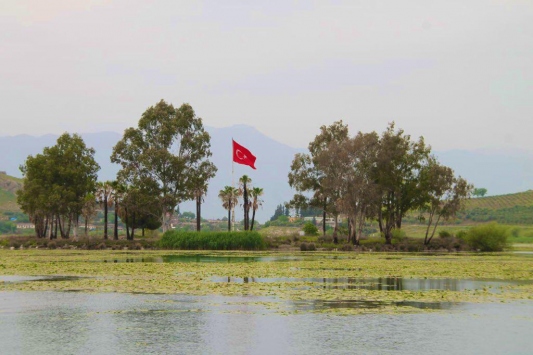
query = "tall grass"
{"x": 186, "y": 240}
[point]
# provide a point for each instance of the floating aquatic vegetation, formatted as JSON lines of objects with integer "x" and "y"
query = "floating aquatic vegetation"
{"x": 393, "y": 278}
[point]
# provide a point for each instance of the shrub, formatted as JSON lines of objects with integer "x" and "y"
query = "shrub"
{"x": 461, "y": 235}
{"x": 398, "y": 235}
{"x": 303, "y": 247}
{"x": 310, "y": 229}
{"x": 243, "y": 240}
{"x": 488, "y": 237}
{"x": 444, "y": 234}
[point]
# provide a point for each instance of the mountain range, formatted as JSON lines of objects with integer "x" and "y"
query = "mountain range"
{"x": 500, "y": 172}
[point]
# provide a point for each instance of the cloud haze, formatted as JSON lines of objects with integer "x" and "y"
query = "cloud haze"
{"x": 460, "y": 73}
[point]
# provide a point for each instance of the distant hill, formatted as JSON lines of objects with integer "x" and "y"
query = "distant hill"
{"x": 8, "y": 187}
{"x": 507, "y": 209}
{"x": 521, "y": 199}
{"x": 500, "y": 172}
{"x": 273, "y": 162}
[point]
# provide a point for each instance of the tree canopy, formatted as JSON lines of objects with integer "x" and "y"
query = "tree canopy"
{"x": 56, "y": 184}
{"x": 169, "y": 149}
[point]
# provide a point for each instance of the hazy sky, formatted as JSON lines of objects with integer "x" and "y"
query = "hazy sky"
{"x": 460, "y": 73}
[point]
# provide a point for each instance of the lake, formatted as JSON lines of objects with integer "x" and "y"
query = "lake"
{"x": 116, "y": 302}
{"x": 114, "y": 323}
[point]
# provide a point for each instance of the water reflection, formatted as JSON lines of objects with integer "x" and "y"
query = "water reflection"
{"x": 48, "y": 278}
{"x": 221, "y": 259}
{"x": 320, "y": 305}
{"x": 381, "y": 284}
{"x": 108, "y": 323}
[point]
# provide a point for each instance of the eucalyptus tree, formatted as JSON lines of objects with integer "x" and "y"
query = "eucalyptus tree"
{"x": 89, "y": 209}
{"x": 164, "y": 148}
{"x": 104, "y": 197}
{"x": 244, "y": 189}
{"x": 399, "y": 162}
{"x": 306, "y": 175}
{"x": 230, "y": 198}
{"x": 352, "y": 180}
{"x": 255, "y": 193}
{"x": 57, "y": 182}
{"x": 445, "y": 193}
{"x": 117, "y": 193}
{"x": 33, "y": 198}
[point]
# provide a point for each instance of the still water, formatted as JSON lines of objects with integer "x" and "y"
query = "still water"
{"x": 113, "y": 323}
{"x": 199, "y": 258}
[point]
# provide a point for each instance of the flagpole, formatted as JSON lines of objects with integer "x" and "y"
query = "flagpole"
{"x": 232, "y": 187}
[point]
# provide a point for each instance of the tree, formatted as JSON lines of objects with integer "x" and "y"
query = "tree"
{"x": 255, "y": 193}
{"x": 230, "y": 198}
{"x": 56, "y": 184}
{"x": 244, "y": 184}
{"x": 306, "y": 175}
{"x": 188, "y": 215}
{"x": 351, "y": 179}
{"x": 445, "y": 195}
{"x": 479, "y": 192}
{"x": 89, "y": 210}
{"x": 140, "y": 209}
{"x": 166, "y": 148}
{"x": 104, "y": 196}
{"x": 278, "y": 212}
{"x": 310, "y": 229}
{"x": 399, "y": 161}
{"x": 117, "y": 193}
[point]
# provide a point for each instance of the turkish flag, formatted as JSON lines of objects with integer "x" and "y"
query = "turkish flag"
{"x": 242, "y": 155}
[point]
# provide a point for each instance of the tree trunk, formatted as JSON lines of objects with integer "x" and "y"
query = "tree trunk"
{"x": 56, "y": 231}
{"x": 253, "y": 219}
{"x": 51, "y": 221}
{"x": 353, "y": 236}
{"x": 115, "y": 228}
{"x": 105, "y": 216}
{"x": 335, "y": 229}
{"x": 324, "y": 222}
{"x": 198, "y": 213}
{"x": 245, "y": 205}
{"x": 229, "y": 219}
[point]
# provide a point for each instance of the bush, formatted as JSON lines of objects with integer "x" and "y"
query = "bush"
{"x": 243, "y": 240}
{"x": 461, "y": 235}
{"x": 398, "y": 235}
{"x": 444, "y": 234}
{"x": 488, "y": 237}
{"x": 310, "y": 229}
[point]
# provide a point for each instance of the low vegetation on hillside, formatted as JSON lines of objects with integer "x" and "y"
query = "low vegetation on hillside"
{"x": 8, "y": 188}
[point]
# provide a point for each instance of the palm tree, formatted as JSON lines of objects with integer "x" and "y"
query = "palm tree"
{"x": 199, "y": 197}
{"x": 117, "y": 192}
{"x": 105, "y": 198}
{"x": 230, "y": 197}
{"x": 255, "y": 193}
{"x": 244, "y": 183}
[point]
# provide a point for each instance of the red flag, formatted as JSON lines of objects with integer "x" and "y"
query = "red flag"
{"x": 242, "y": 155}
